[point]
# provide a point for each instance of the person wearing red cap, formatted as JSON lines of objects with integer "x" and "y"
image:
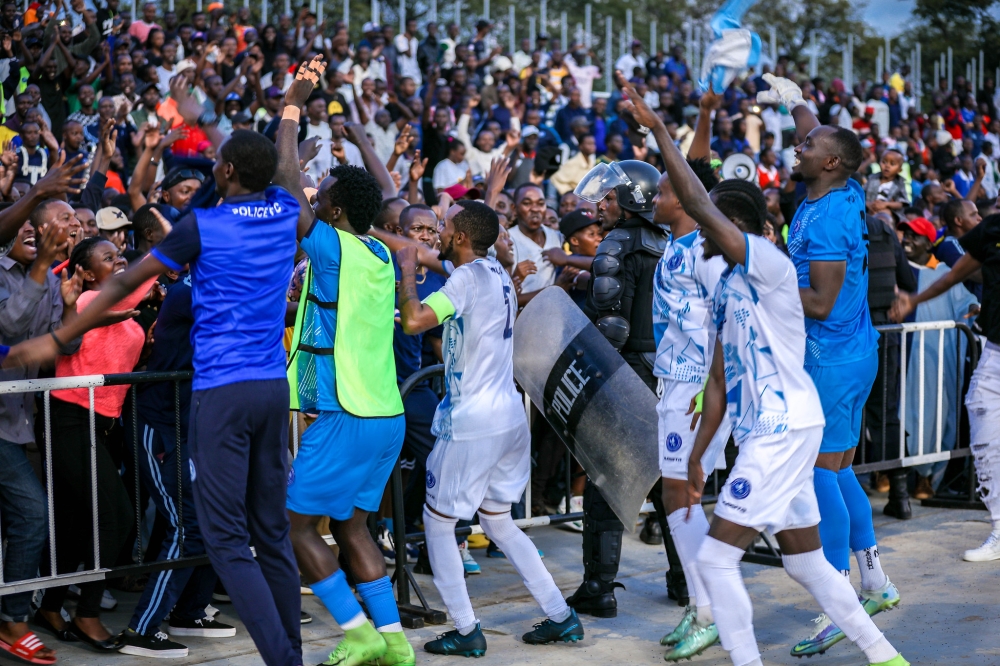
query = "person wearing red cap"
{"x": 955, "y": 304}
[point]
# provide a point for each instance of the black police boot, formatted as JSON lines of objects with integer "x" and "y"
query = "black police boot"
{"x": 651, "y": 532}
{"x": 677, "y": 587}
{"x": 898, "y": 505}
{"x": 595, "y": 597}
{"x": 423, "y": 564}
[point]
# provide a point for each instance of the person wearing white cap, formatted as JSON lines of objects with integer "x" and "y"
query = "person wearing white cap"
{"x": 111, "y": 223}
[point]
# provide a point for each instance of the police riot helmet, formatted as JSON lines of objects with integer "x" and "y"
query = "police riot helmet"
{"x": 634, "y": 182}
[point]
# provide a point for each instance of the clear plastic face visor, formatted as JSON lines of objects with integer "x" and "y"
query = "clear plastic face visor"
{"x": 603, "y": 178}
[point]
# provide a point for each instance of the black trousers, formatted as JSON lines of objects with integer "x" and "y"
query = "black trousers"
{"x": 882, "y": 406}
{"x": 74, "y": 527}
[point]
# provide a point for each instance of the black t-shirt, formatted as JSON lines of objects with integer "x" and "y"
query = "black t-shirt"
{"x": 983, "y": 244}
{"x": 172, "y": 350}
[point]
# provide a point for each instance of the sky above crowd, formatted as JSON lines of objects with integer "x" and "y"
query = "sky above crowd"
{"x": 888, "y": 16}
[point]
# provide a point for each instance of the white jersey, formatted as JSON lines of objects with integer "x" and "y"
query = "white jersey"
{"x": 478, "y": 350}
{"x": 683, "y": 326}
{"x": 759, "y": 316}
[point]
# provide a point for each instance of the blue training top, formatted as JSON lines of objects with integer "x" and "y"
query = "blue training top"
{"x": 832, "y": 228}
{"x": 241, "y": 256}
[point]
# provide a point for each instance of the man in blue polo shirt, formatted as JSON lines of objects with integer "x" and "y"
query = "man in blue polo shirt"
{"x": 828, "y": 243}
{"x": 241, "y": 254}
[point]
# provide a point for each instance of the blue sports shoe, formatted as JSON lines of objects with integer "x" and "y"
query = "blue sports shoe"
{"x": 568, "y": 631}
{"x": 454, "y": 643}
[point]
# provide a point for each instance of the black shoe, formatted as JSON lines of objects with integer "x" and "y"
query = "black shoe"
{"x": 65, "y": 635}
{"x": 595, "y": 597}
{"x": 206, "y": 627}
{"x": 158, "y": 645}
{"x": 452, "y": 642}
{"x": 219, "y": 594}
{"x": 898, "y": 505}
{"x": 110, "y": 645}
{"x": 568, "y": 631}
{"x": 305, "y": 618}
{"x": 651, "y": 532}
{"x": 677, "y": 587}
{"x": 898, "y": 508}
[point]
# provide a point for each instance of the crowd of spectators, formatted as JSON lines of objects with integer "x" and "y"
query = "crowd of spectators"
{"x": 123, "y": 119}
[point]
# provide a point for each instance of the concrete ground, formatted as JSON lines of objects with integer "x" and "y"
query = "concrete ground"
{"x": 950, "y": 610}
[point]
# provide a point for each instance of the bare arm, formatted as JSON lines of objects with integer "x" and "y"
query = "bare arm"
{"x": 425, "y": 256}
{"x": 287, "y": 142}
{"x": 426, "y": 117}
{"x": 907, "y": 303}
{"x": 689, "y": 189}
{"x": 825, "y": 280}
{"x": 701, "y": 145}
{"x": 357, "y": 136}
{"x": 414, "y": 316}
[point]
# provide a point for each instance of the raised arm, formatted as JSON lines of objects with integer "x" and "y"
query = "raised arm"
{"x": 425, "y": 256}
{"x": 414, "y": 316}
{"x": 907, "y": 303}
{"x": 688, "y": 188}
{"x": 787, "y": 93}
{"x": 427, "y": 117}
{"x": 701, "y": 145}
{"x": 357, "y": 136}
{"x": 287, "y": 139}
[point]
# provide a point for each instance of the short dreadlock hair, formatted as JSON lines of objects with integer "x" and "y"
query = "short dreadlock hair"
{"x": 742, "y": 200}
{"x": 359, "y": 195}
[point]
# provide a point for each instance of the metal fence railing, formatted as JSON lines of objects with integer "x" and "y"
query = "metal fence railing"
{"x": 415, "y": 615}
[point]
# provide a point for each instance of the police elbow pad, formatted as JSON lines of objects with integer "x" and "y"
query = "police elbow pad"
{"x": 608, "y": 292}
{"x": 615, "y": 328}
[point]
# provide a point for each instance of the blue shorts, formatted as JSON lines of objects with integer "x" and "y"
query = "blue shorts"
{"x": 843, "y": 390}
{"x": 344, "y": 462}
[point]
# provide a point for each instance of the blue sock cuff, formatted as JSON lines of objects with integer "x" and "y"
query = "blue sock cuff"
{"x": 835, "y": 521}
{"x": 378, "y": 598}
{"x": 336, "y": 595}
{"x": 859, "y": 508}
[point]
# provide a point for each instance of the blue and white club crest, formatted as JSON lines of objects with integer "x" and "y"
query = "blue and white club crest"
{"x": 740, "y": 488}
{"x": 431, "y": 481}
{"x": 674, "y": 262}
{"x": 673, "y": 442}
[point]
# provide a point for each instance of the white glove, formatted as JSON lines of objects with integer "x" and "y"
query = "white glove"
{"x": 783, "y": 91}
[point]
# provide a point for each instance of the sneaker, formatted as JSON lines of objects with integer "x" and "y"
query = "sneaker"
{"x": 478, "y": 541}
{"x": 384, "y": 542}
{"x": 682, "y": 628}
{"x": 883, "y": 599}
{"x": 108, "y": 602}
{"x": 990, "y": 550}
{"x": 158, "y": 645}
{"x": 825, "y": 636}
{"x": 305, "y": 618}
{"x": 575, "y": 506}
{"x": 895, "y": 661}
{"x": 452, "y": 642}
{"x": 471, "y": 566}
{"x": 358, "y": 646}
{"x": 697, "y": 640}
{"x": 568, "y": 631}
{"x": 398, "y": 651}
{"x": 211, "y": 611}
{"x": 206, "y": 627}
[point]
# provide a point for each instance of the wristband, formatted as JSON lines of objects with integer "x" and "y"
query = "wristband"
{"x": 63, "y": 348}
{"x": 291, "y": 113}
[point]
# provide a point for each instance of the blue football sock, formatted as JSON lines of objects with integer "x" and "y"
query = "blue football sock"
{"x": 378, "y": 598}
{"x": 859, "y": 508}
{"x": 835, "y": 522}
{"x": 336, "y": 595}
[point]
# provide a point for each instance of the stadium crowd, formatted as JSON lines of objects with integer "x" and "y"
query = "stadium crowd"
{"x": 121, "y": 121}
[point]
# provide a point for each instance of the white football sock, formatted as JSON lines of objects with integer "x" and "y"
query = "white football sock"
{"x": 872, "y": 576}
{"x": 449, "y": 574}
{"x": 688, "y": 534}
{"x": 719, "y": 564}
{"x": 355, "y": 622}
{"x": 523, "y": 556}
{"x": 838, "y": 600}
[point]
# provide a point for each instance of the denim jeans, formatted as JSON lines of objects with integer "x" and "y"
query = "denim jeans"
{"x": 24, "y": 520}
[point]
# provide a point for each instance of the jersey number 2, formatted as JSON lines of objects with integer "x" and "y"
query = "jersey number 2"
{"x": 507, "y": 330}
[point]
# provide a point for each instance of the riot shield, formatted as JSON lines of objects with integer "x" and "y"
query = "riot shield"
{"x": 591, "y": 397}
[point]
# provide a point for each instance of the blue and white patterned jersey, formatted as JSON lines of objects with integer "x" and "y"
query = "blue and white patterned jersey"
{"x": 682, "y": 309}
{"x": 762, "y": 331}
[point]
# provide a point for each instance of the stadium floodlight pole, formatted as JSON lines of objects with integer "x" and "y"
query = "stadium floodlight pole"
{"x": 609, "y": 73}
{"x": 532, "y": 36}
{"x": 563, "y": 32}
{"x": 951, "y": 69}
{"x": 628, "y": 27}
{"x": 511, "y": 30}
{"x": 813, "y": 64}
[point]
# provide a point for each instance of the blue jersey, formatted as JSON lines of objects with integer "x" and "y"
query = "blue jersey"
{"x": 832, "y": 228}
{"x": 241, "y": 256}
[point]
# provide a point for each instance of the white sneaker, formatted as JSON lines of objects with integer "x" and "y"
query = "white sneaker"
{"x": 990, "y": 550}
{"x": 468, "y": 562}
{"x": 575, "y": 506}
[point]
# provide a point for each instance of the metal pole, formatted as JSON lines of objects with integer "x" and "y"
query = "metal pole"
{"x": 288, "y": 7}
{"x": 563, "y": 32}
{"x": 134, "y": 13}
{"x": 622, "y": 36}
{"x": 49, "y": 487}
{"x": 432, "y": 15}
{"x": 511, "y": 37}
{"x": 609, "y": 73}
{"x": 312, "y": 6}
{"x": 879, "y": 64}
{"x": 458, "y": 13}
{"x": 813, "y": 65}
{"x": 170, "y": 5}
{"x": 628, "y": 27}
{"x": 588, "y": 27}
{"x": 402, "y": 16}
{"x": 347, "y": 12}
{"x": 263, "y": 11}
{"x": 376, "y": 15}
{"x": 773, "y": 41}
{"x": 666, "y": 43}
{"x": 319, "y": 12}
{"x": 951, "y": 70}
{"x": 888, "y": 57}
{"x": 982, "y": 68}
{"x": 93, "y": 480}
{"x": 531, "y": 31}
{"x": 689, "y": 44}
{"x": 698, "y": 54}
{"x": 543, "y": 18}
{"x": 652, "y": 38}
{"x": 937, "y": 71}
{"x": 578, "y": 35}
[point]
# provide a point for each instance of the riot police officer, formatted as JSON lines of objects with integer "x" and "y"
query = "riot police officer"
{"x": 620, "y": 303}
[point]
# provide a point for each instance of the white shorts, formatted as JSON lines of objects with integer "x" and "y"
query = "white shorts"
{"x": 676, "y": 438}
{"x": 461, "y": 474}
{"x": 771, "y": 484}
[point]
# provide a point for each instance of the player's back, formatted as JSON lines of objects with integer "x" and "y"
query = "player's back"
{"x": 478, "y": 351}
